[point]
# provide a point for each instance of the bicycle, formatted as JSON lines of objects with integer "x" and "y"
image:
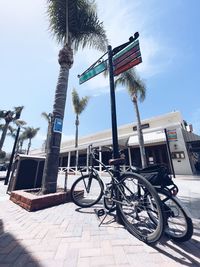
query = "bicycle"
{"x": 130, "y": 193}
{"x": 179, "y": 226}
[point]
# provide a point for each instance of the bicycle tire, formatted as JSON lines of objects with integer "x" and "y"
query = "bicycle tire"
{"x": 179, "y": 225}
{"x": 137, "y": 196}
{"x": 79, "y": 194}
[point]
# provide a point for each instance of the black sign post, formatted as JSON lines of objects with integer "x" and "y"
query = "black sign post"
{"x": 12, "y": 157}
{"x": 113, "y": 105}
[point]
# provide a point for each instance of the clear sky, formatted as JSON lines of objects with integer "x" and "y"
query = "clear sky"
{"x": 170, "y": 42}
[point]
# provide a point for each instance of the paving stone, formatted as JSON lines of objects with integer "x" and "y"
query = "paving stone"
{"x": 89, "y": 252}
{"x": 61, "y": 236}
{"x": 102, "y": 261}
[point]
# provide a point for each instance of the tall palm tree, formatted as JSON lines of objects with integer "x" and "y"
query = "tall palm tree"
{"x": 9, "y": 116}
{"x": 75, "y": 24}
{"x": 79, "y": 106}
{"x": 137, "y": 90}
{"x": 29, "y": 134}
{"x": 47, "y": 117}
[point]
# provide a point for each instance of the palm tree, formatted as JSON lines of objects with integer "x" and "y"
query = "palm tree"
{"x": 137, "y": 90}
{"x": 75, "y": 24}
{"x": 9, "y": 116}
{"x": 29, "y": 134}
{"x": 13, "y": 134}
{"x": 79, "y": 106}
{"x": 47, "y": 117}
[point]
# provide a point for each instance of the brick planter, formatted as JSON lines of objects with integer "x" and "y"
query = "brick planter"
{"x": 33, "y": 202}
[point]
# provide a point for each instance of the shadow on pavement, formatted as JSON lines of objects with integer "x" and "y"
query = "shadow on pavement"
{"x": 192, "y": 204}
{"x": 183, "y": 253}
{"x": 12, "y": 253}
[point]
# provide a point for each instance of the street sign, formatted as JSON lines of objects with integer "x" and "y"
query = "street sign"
{"x": 57, "y": 127}
{"x": 125, "y": 55}
{"x": 127, "y": 58}
{"x": 126, "y": 49}
{"x": 128, "y": 66}
{"x": 92, "y": 72}
{"x": 172, "y": 135}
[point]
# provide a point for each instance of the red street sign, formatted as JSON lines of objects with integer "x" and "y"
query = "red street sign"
{"x": 127, "y": 54}
{"x": 127, "y": 60}
{"x": 128, "y": 66}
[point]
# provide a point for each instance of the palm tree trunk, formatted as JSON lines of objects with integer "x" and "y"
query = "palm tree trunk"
{"x": 29, "y": 145}
{"x": 49, "y": 180}
{"x": 140, "y": 134}
{"x": 3, "y": 135}
{"x": 76, "y": 134}
{"x": 76, "y": 139}
{"x": 48, "y": 135}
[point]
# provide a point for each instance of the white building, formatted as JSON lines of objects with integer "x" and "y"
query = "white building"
{"x": 181, "y": 150}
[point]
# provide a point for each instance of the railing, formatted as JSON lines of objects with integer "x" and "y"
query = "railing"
{"x": 72, "y": 170}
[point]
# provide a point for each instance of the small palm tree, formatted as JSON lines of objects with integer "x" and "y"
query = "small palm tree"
{"x": 137, "y": 90}
{"x": 79, "y": 107}
{"x": 47, "y": 117}
{"x": 13, "y": 134}
{"x": 75, "y": 25}
{"x": 29, "y": 134}
{"x": 8, "y": 116}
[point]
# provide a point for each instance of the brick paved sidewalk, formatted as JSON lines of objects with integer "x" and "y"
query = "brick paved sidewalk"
{"x": 68, "y": 236}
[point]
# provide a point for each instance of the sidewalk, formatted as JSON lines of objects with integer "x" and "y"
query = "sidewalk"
{"x": 66, "y": 235}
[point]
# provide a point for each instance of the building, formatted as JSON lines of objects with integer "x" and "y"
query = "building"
{"x": 168, "y": 139}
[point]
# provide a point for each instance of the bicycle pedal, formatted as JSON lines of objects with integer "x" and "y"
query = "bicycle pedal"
{"x": 100, "y": 212}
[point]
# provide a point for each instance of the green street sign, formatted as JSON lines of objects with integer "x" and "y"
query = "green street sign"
{"x": 92, "y": 72}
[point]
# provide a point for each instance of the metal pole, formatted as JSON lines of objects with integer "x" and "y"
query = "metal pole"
{"x": 114, "y": 122}
{"x": 12, "y": 157}
{"x": 113, "y": 106}
{"x": 169, "y": 154}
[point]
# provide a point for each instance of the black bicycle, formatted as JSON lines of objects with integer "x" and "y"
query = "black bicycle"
{"x": 130, "y": 193}
{"x": 179, "y": 226}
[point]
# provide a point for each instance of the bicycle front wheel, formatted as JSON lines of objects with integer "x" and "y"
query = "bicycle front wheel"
{"x": 137, "y": 198}
{"x": 87, "y": 190}
{"x": 179, "y": 224}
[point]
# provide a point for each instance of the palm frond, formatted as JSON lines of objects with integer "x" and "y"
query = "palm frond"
{"x": 83, "y": 103}
{"x": 79, "y": 104}
{"x": 75, "y": 100}
{"x": 1, "y": 114}
{"x": 12, "y": 131}
{"x": 46, "y": 116}
{"x": 30, "y": 132}
{"x": 18, "y": 111}
{"x": 84, "y": 27}
{"x": 19, "y": 122}
{"x": 133, "y": 83}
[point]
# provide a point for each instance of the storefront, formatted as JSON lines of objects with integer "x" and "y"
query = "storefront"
{"x": 166, "y": 138}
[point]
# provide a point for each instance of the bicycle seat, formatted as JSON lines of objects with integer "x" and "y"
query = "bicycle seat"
{"x": 115, "y": 162}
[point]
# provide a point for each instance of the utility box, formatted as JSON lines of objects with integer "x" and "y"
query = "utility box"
{"x": 27, "y": 172}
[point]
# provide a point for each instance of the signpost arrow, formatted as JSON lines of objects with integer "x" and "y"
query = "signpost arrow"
{"x": 128, "y": 66}
{"x": 128, "y": 60}
{"x": 126, "y": 54}
{"x": 92, "y": 72}
{"x": 126, "y": 49}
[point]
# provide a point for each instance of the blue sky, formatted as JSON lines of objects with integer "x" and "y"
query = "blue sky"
{"x": 169, "y": 40}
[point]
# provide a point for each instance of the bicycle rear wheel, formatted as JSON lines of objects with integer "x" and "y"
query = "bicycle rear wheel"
{"x": 87, "y": 190}
{"x": 179, "y": 224}
{"x": 137, "y": 198}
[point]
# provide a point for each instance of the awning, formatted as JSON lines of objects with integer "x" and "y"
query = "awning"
{"x": 149, "y": 138}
